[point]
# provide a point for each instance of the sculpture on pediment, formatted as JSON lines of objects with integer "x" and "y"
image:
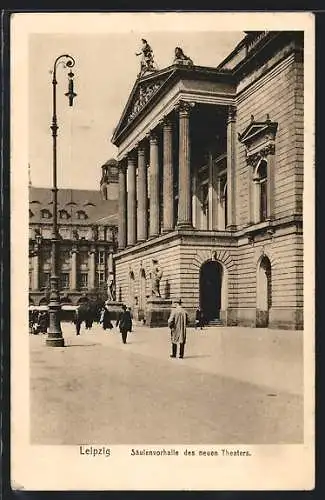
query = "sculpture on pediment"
{"x": 181, "y": 58}
{"x": 147, "y": 64}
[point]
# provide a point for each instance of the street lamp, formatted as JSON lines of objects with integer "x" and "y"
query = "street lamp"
{"x": 55, "y": 337}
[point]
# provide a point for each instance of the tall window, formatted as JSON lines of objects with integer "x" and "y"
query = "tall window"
{"x": 83, "y": 281}
{"x": 30, "y": 279}
{"x": 65, "y": 281}
{"x": 101, "y": 257}
{"x": 260, "y": 180}
{"x": 100, "y": 278}
{"x": 45, "y": 280}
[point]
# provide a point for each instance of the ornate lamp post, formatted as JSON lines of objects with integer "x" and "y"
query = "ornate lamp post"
{"x": 55, "y": 337}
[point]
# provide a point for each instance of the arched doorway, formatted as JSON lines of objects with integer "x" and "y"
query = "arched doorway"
{"x": 211, "y": 275}
{"x": 263, "y": 291}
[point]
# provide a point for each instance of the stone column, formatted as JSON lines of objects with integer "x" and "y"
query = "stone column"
{"x": 154, "y": 186}
{"x": 74, "y": 252}
{"x": 184, "y": 183}
{"x": 92, "y": 268}
{"x": 168, "y": 195}
{"x": 131, "y": 201}
{"x": 142, "y": 195}
{"x": 270, "y": 182}
{"x": 250, "y": 194}
{"x": 231, "y": 158}
{"x": 122, "y": 207}
{"x": 35, "y": 280}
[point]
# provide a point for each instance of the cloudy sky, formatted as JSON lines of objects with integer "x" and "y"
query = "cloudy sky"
{"x": 105, "y": 72}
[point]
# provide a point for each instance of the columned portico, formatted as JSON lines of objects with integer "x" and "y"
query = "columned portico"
{"x": 184, "y": 219}
{"x": 154, "y": 186}
{"x": 142, "y": 196}
{"x": 131, "y": 200}
{"x": 122, "y": 225}
{"x": 168, "y": 198}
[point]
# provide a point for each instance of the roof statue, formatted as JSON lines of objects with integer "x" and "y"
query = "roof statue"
{"x": 147, "y": 64}
{"x": 181, "y": 58}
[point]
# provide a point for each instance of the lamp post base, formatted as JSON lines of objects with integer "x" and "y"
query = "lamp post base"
{"x": 54, "y": 334}
{"x": 55, "y": 341}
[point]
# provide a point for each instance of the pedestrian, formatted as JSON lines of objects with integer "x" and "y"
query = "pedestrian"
{"x": 177, "y": 323}
{"x": 199, "y": 320}
{"x": 124, "y": 321}
{"x": 43, "y": 322}
{"x": 77, "y": 320}
{"x": 88, "y": 317}
{"x": 105, "y": 318}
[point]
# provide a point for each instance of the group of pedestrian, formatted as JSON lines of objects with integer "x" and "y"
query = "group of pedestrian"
{"x": 124, "y": 320}
{"x": 177, "y": 323}
{"x": 39, "y": 322}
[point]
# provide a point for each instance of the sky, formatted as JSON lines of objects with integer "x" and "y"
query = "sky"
{"x": 105, "y": 72}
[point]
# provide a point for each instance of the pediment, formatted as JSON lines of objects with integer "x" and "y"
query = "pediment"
{"x": 257, "y": 132}
{"x": 143, "y": 93}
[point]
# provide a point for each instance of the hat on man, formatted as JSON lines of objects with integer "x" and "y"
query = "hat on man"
{"x": 178, "y": 300}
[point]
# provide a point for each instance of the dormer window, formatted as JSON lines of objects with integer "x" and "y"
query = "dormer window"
{"x": 63, "y": 214}
{"x": 81, "y": 215}
{"x": 45, "y": 214}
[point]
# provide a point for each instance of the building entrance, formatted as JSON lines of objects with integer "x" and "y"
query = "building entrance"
{"x": 210, "y": 289}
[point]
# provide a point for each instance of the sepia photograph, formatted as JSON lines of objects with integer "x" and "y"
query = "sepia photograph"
{"x": 162, "y": 179}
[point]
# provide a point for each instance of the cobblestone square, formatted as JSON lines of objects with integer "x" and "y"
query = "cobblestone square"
{"x": 235, "y": 386}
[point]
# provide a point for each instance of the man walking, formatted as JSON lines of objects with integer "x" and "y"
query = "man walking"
{"x": 177, "y": 322}
{"x": 124, "y": 321}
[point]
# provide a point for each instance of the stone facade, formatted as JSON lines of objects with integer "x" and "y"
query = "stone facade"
{"x": 221, "y": 206}
{"x": 87, "y": 223}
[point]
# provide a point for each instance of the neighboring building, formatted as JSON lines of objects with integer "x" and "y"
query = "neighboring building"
{"x": 87, "y": 222}
{"x": 211, "y": 184}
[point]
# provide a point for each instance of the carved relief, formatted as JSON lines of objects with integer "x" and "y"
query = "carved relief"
{"x": 144, "y": 94}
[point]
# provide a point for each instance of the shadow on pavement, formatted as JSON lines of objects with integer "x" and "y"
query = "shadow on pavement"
{"x": 198, "y": 356}
{"x": 80, "y": 345}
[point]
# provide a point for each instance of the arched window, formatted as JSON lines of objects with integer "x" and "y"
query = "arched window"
{"x": 260, "y": 183}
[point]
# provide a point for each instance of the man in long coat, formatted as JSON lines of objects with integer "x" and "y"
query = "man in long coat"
{"x": 177, "y": 323}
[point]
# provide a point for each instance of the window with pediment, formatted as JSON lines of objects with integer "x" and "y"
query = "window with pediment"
{"x": 63, "y": 214}
{"x": 259, "y": 141}
{"x": 45, "y": 213}
{"x": 81, "y": 214}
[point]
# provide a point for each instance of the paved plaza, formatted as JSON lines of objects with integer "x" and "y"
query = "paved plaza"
{"x": 234, "y": 386}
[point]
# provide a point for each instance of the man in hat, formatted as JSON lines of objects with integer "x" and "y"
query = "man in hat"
{"x": 177, "y": 323}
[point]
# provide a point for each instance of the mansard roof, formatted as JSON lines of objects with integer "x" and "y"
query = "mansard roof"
{"x": 147, "y": 90}
{"x": 73, "y": 201}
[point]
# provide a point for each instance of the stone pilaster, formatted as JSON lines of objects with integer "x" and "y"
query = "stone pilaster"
{"x": 35, "y": 279}
{"x": 231, "y": 158}
{"x": 184, "y": 189}
{"x": 74, "y": 253}
{"x": 270, "y": 183}
{"x": 122, "y": 224}
{"x": 131, "y": 201}
{"x": 142, "y": 195}
{"x": 168, "y": 195}
{"x": 110, "y": 266}
{"x": 92, "y": 268}
{"x": 154, "y": 186}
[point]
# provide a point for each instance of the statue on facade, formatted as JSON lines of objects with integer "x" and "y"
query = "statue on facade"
{"x": 111, "y": 287}
{"x": 156, "y": 275}
{"x": 181, "y": 58}
{"x": 147, "y": 64}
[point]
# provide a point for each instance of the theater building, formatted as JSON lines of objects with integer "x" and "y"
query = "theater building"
{"x": 211, "y": 185}
{"x": 87, "y": 223}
